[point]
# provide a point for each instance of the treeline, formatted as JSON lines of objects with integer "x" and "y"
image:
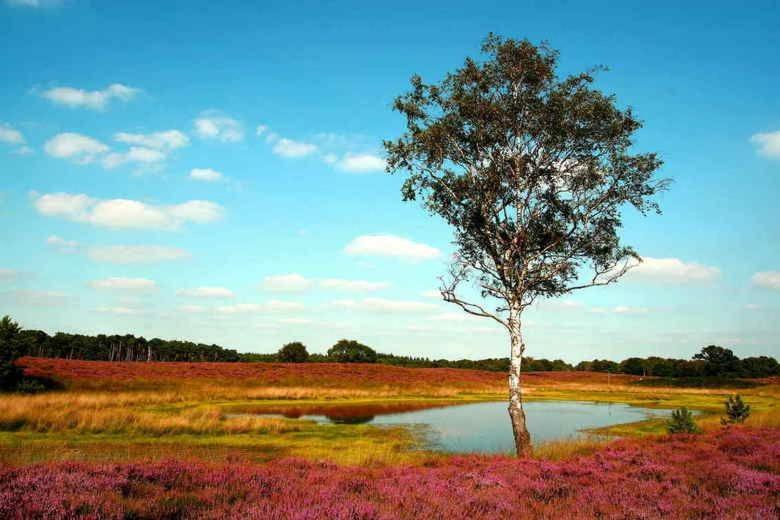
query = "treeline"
{"x": 711, "y": 361}
{"x": 116, "y": 347}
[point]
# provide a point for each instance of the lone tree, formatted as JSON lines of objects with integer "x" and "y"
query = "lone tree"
{"x": 294, "y": 352}
{"x": 531, "y": 171}
{"x": 351, "y": 351}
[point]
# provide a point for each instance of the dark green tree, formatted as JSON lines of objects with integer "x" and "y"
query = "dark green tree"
{"x": 718, "y": 361}
{"x": 294, "y": 352}
{"x": 736, "y": 410}
{"x": 682, "y": 422}
{"x": 351, "y": 351}
{"x": 531, "y": 171}
{"x": 10, "y": 350}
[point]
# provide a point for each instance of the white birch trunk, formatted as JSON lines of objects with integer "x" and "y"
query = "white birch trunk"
{"x": 516, "y": 413}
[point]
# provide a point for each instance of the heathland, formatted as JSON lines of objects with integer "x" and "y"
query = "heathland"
{"x": 152, "y": 439}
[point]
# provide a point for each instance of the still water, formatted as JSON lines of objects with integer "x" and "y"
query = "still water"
{"x": 485, "y": 427}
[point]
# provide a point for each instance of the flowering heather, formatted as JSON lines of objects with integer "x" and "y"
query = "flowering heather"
{"x": 323, "y": 375}
{"x": 734, "y": 473}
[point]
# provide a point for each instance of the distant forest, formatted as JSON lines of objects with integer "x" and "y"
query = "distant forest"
{"x": 711, "y": 361}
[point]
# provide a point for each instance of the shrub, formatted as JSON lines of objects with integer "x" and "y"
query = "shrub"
{"x": 736, "y": 410}
{"x": 294, "y": 352}
{"x": 351, "y": 351}
{"x": 682, "y": 422}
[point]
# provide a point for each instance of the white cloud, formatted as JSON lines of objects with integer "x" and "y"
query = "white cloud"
{"x": 124, "y": 284}
{"x": 391, "y": 245}
{"x": 768, "y": 144}
{"x": 121, "y": 311}
{"x": 206, "y": 292}
{"x": 292, "y": 282}
{"x": 125, "y": 213}
{"x": 136, "y": 154}
{"x": 433, "y": 294}
{"x": 283, "y": 306}
{"x": 10, "y": 135}
{"x": 271, "y": 306}
{"x": 38, "y": 298}
{"x": 8, "y": 274}
{"x": 672, "y": 270}
{"x": 218, "y": 127}
{"x": 340, "y": 284}
{"x": 383, "y": 305}
{"x": 361, "y": 163}
{"x": 164, "y": 140}
{"x": 625, "y": 309}
{"x": 293, "y": 149}
{"x": 261, "y": 129}
{"x": 767, "y": 279}
{"x": 192, "y": 309}
{"x": 76, "y": 147}
{"x": 205, "y": 175}
{"x": 62, "y": 245}
{"x": 136, "y": 254}
{"x": 91, "y": 99}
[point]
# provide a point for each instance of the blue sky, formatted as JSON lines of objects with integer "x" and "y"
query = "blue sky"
{"x": 213, "y": 172}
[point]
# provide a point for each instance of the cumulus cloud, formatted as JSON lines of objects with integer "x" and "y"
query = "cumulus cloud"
{"x": 75, "y": 147}
{"x": 206, "y": 292}
{"x": 383, "y": 305}
{"x": 340, "y": 284}
{"x": 218, "y": 127}
{"x": 91, "y": 99}
{"x": 292, "y": 282}
{"x": 164, "y": 140}
{"x": 767, "y": 279}
{"x": 360, "y": 163}
{"x": 390, "y": 245}
{"x": 270, "y": 306}
{"x": 11, "y": 136}
{"x": 37, "y": 298}
{"x": 293, "y": 149}
{"x": 136, "y": 254}
{"x": 125, "y": 213}
{"x": 136, "y": 154}
{"x": 62, "y": 245}
{"x": 205, "y": 175}
{"x": 768, "y": 144}
{"x": 192, "y": 309}
{"x": 124, "y": 284}
{"x": 8, "y": 274}
{"x": 120, "y": 311}
{"x": 33, "y": 3}
{"x": 672, "y": 270}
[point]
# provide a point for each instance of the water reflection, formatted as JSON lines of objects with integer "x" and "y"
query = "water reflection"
{"x": 476, "y": 427}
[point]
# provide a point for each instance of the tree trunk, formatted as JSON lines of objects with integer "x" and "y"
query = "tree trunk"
{"x": 516, "y": 413}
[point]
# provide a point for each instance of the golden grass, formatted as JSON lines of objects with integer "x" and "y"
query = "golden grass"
{"x": 190, "y": 417}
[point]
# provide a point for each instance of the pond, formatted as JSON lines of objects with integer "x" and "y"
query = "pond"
{"x": 484, "y": 426}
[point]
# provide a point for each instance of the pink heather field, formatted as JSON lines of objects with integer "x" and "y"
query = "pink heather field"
{"x": 734, "y": 473}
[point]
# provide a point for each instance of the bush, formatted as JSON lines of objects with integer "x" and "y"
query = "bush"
{"x": 351, "y": 351}
{"x": 736, "y": 410}
{"x": 682, "y": 422}
{"x": 294, "y": 352}
{"x": 30, "y": 386}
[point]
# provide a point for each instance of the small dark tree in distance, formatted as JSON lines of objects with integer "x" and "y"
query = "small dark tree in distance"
{"x": 351, "y": 351}
{"x": 531, "y": 171}
{"x": 10, "y": 374}
{"x": 682, "y": 422}
{"x": 736, "y": 410}
{"x": 294, "y": 352}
